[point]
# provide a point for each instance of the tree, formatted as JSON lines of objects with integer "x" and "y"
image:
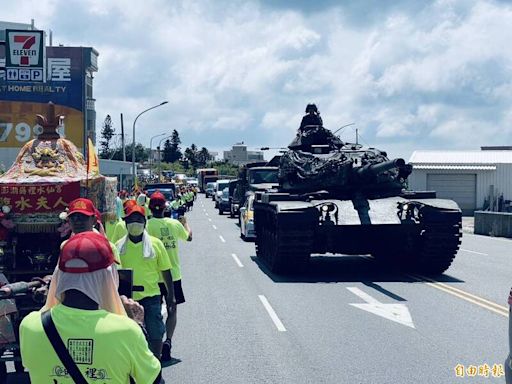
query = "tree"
{"x": 141, "y": 153}
{"x": 191, "y": 155}
{"x": 203, "y": 157}
{"x": 107, "y": 132}
{"x": 167, "y": 152}
{"x": 175, "y": 150}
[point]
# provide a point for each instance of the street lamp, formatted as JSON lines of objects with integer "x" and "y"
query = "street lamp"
{"x": 160, "y": 157}
{"x": 133, "y": 135}
{"x": 151, "y": 153}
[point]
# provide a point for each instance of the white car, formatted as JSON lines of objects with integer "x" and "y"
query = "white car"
{"x": 217, "y": 196}
{"x": 247, "y": 230}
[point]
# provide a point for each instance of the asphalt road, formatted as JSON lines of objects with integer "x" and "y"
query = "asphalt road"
{"x": 242, "y": 324}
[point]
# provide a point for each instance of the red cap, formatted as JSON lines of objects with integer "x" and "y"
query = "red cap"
{"x": 128, "y": 204}
{"x": 82, "y": 205}
{"x": 135, "y": 209}
{"x": 157, "y": 201}
{"x": 86, "y": 252}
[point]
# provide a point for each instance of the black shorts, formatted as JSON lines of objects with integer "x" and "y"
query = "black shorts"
{"x": 178, "y": 291}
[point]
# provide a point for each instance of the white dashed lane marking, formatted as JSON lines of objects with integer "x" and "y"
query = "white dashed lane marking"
{"x": 222, "y": 239}
{"x": 237, "y": 260}
{"x": 214, "y": 226}
{"x": 279, "y": 325}
{"x": 475, "y": 252}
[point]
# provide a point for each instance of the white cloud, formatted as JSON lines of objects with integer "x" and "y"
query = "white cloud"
{"x": 405, "y": 78}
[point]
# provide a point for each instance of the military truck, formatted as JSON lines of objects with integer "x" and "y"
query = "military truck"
{"x": 336, "y": 197}
{"x": 205, "y": 176}
{"x": 258, "y": 176}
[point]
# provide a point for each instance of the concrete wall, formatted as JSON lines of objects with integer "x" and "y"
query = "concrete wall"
{"x": 493, "y": 223}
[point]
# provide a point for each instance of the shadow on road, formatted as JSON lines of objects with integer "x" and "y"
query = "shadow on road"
{"x": 339, "y": 269}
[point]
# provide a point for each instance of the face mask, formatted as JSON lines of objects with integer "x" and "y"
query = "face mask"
{"x": 135, "y": 229}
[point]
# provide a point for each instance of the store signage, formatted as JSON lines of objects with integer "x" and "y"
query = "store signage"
{"x": 24, "y": 55}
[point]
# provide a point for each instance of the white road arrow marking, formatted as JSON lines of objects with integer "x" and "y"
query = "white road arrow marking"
{"x": 394, "y": 312}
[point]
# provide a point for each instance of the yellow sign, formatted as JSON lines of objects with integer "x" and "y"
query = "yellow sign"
{"x": 18, "y": 123}
{"x": 93, "y": 163}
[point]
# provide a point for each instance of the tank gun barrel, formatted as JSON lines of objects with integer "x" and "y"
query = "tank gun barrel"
{"x": 376, "y": 169}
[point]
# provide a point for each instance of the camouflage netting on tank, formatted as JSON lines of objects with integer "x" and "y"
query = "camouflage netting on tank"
{"x": 315, "y": 136}
{"x": 302, "y": 171}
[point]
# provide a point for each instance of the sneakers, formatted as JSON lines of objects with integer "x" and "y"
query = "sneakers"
{"x": 166, "y": 350}
{"x": 166, "y": 359}
{"x": 170, "y": 362}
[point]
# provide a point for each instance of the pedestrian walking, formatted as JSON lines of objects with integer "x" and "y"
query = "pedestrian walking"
{"x": 169, "y": 231}
{"x": 85, "y": 335}
{"x": 147, "y": 257}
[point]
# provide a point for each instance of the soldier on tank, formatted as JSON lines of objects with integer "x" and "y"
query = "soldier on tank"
{"x": 311, "y": 132}
{"x": 312, "y": 117}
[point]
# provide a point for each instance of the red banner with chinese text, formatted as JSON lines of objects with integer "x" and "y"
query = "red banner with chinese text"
{"x": 38, "y": 198}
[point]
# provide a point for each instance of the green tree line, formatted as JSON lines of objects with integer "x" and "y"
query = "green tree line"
{"x": 172, "y": 155}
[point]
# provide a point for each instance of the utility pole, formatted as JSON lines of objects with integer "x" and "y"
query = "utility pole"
{"x": 159, "y": 164}
{"x": 123, "y": 147}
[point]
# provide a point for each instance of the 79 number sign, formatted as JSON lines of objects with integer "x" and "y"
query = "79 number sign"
{"x": 22, "y": 132}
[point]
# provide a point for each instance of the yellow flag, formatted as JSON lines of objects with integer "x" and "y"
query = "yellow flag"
{"x": 93, "y": 163}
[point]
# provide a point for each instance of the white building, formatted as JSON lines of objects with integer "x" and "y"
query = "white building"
{"x": 239, "y": 155}
{"x": 474, "y": 179}
{"x": 120, "y": 169}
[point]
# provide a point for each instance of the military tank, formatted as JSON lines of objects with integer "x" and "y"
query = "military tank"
{"x": 343, "y": 198}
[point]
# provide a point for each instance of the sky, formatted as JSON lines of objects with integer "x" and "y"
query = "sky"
{"x": 409, "y": 74}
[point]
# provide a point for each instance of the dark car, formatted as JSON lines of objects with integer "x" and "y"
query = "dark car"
{"x": 224, "y": 202}
{"x": 166, "y": 189}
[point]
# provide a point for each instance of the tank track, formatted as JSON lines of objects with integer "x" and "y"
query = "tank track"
{"x": 433, "y": 249}
{"x": 439, "y": 241}
{"x": 284, "y": 249}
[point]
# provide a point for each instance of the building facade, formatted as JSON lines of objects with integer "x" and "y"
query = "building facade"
{"x": 122, "y": 170}
{"x": 239, "y": 155}
{"x": 32, "y": 74}
{"x": 474, "y": 179}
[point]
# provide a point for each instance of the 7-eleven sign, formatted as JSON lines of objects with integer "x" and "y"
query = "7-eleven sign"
{"x": 24, "y": 48}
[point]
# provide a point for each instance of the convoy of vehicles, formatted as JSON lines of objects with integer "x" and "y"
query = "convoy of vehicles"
{"x": 237, "y": 195}
{"x": 206, "y": 176}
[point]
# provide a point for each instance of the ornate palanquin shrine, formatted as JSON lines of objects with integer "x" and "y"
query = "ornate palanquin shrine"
{"x": 47, "y": 174}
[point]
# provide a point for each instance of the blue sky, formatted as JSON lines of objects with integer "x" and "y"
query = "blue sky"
{"x": 410, "y": 74}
